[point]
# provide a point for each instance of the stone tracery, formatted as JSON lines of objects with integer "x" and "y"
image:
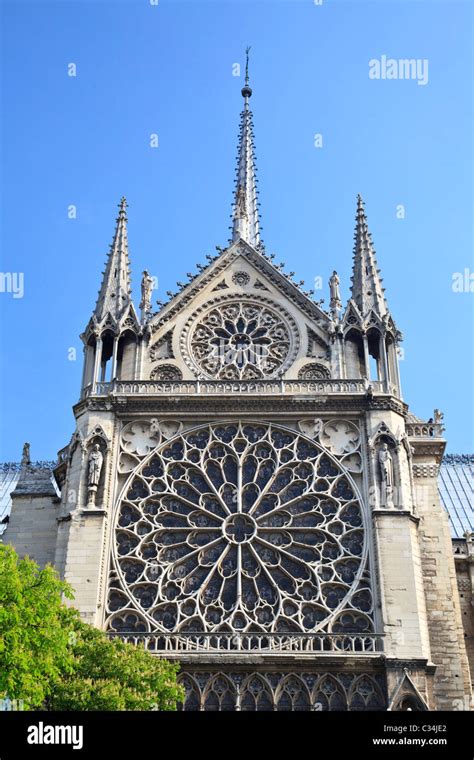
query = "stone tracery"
{"x": 282, "y": 692}
{"x": 238, "y": 527}
{"x": 241, "y": 340}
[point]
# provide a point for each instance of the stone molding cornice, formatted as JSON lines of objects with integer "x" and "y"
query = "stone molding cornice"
{"x": 235, "y": 404}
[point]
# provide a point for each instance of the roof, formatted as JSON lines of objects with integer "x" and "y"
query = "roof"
{"x": 456, "y": 489}
{"x": 36, "y": 479}
{"x": 9, "y": 475}
{"x": 412, "y": 419}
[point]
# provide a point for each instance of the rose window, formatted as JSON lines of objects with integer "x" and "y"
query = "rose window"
{"x": 241, "y": 341}
{"x": 240, "y": 527}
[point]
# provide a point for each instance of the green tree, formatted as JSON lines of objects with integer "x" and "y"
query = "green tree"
{"x": 34, "y": 629}
{"x": 49, "y": 657}
{"x": 111, "y": 675}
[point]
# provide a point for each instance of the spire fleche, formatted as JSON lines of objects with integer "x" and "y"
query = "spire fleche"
{"x": 246, "y": 224}
{"x": 115, "y": 292}
{"x": 367, "y": 291}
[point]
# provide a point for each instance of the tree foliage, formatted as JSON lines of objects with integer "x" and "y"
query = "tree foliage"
{"x": 34, "y": 628}
{"x": 49, "y": 657}
{"x": 111, "y": 675}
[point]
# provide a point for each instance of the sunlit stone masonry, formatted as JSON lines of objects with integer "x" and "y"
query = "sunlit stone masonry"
{"x": 247, "y": 492}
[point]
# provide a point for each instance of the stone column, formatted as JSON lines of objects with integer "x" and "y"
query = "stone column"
{"x": 97, "y": 361}
{"x": 114, "y": 358}
{"x": 383, "y": 357}
{"x": 366, "y": 356}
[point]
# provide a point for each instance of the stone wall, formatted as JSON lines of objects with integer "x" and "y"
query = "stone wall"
{"x": 464, "y": 561}
{"x": 33, "y": 527}
{"x": 451, "y": 687}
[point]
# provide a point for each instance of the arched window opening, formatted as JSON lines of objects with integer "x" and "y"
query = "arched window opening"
{"x": 354, "y": 355}
{"x": 220, "y": 695}
{"x": 106, "y": 358}
{"x": 89, "y": 360}
{"x": 256, "y": 696}
{"x": 126, "y": 355}
{"x": 294, "y": 696}
{"x": 375, "y": 360}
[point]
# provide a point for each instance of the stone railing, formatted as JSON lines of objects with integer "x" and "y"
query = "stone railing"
{"x": 425, "y": 429}
{"x": 175, "y": 644}
{"x": 463, "y": 548}
{"x": 63, "y": 455}
{"x": 224, "y": 387}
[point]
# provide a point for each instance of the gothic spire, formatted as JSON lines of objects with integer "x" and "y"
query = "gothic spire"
{"x": 115, "y": 291}
{"x": 246, "y": 223}
{"x": 367, "y": 291}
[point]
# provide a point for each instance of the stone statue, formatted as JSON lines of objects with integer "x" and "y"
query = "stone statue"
{"x": 25, "y": 457}
{"x": 386, "y": 465}
{"x": 95, "y": 463}
{"x": 147, "y": 289}
{"x": 334, "y": 288}
{"x": 240, "y": 204}
{"x": 438, "y": 417}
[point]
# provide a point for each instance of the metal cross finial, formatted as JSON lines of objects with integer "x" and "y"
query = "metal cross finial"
{"x": 247, "y": 51}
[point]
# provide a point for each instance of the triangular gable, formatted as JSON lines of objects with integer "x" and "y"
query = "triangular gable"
{"x": 214, "y": 271}
{"x": 352, "y": 316}
{"x": 407, "y": 690}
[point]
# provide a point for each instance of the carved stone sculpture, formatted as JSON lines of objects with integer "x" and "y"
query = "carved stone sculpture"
{"x": 96, "y": 460}
{"x": 25, "y": 457}
{"x": 147, "y": 289}
{"x": 386, "y": 476}
{"x": 335, "y": 293}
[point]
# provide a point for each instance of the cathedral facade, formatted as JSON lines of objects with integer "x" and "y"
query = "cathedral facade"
{"x": 246, "y": 490}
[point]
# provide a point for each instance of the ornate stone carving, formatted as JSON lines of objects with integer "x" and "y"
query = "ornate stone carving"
{"x": 314, "y": 371}
{"x": 146, "y": 290}
{"x": 425, "y": 470}
{"x": 289, "y": 692}
{"x": 94, "y": 469}
{"x": 163, "y": 348}
{"x": 290, "y": 537}
{"x": 317, "y": 348}
{"x": 311, "y": 427}
{"x": 169, "y": 428}
{"x": 353, "y": 462}
{"x": 335, "y": 303}
{"x": 26, "y": 456}
{"x": 385, "y": 468}
{"x": 140, "y": 437}
{"x": 386, "y": 465}
{"x": 241, "y": 340}
{"x": 340, "y": 437}
{"x": 241, "y": 279}
{"x": 166, "y": 372}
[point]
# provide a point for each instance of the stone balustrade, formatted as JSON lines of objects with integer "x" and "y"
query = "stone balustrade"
{"x": 302, "y": 644}
{"x": 425, "y": 429}
{"x": 226, "y": 387}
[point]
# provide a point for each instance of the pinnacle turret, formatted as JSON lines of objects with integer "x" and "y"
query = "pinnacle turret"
{"x": 245, "y": 216}
{"x": 367, "y": 291}
{"x": 115, "y": 292}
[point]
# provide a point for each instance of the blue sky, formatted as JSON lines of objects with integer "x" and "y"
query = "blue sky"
{"x": 168, "y": 69}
